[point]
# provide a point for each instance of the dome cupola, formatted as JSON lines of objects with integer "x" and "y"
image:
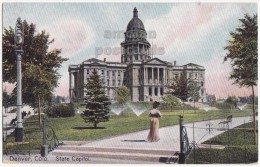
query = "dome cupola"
{"x": 135, "y": 23}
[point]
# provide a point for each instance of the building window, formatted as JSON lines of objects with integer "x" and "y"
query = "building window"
{"x": 156, "y": 91}
{"x": 136, "y": 57}
{"x": 108, "y": 73}
{"x": 87, "y": 71}
{"x": 150, "y": 91}
{"x": 196, "y": 75}
{"x": 102, "y": 72}
{"x": 201, "y": 84}
{"x": 114, "y": 82}
{"x": 119, "y": 82}
{"x": 202, "y": 92}
{"x": 113, "y": 73}
{"x": 161, "y": 91}
{"x": 119, "y": 73}
{"x": 108, "y": 82}
{"x": 201, "y": 75}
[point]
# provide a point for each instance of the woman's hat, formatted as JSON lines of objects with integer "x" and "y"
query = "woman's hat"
{"x": 156, "y": 104}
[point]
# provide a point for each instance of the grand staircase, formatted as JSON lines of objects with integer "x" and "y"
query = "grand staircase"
{"x": 134, "y": 154}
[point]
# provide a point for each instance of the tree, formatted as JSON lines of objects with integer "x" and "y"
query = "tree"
{"x": 39, "y": 65}
{"x": 122, "y": 95}
{"x": 6, "y": 100}
{"x": 179, "y": 87}
{"x": 242, "y": 51}
{"x": 97, "y": 103}
{"x": 232, "y": 100}
{"x": 171, "y": 100}
{"x": 193, "y": 91}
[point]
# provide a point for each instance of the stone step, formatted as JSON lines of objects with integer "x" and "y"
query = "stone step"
{"x": 118, "y": 149}
{"x": 164, "y": 156}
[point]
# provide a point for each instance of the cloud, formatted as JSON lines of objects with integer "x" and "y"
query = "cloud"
{"x": 186, "y": 28}
{"x": 71, "y": 35}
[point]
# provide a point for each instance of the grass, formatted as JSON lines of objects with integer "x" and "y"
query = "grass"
{"x": 72, "y": 128}
{"x": 238, "y": 136}
{"x": 126, "y": 123}
{"x": 239, "y": 148}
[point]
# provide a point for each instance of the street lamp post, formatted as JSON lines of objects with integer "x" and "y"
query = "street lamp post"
{"x": 19, "y": 39}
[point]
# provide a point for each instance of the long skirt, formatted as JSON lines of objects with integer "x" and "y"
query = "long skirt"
{"x": 154, "y": 131}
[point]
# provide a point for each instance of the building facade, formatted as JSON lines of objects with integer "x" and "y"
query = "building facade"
{"x": 146, "y": 77}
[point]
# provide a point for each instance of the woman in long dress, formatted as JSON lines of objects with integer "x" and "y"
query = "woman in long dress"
{"x": 154, "y": 123}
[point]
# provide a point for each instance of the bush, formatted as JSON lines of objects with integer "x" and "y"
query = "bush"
{"x": 13, "y": 111}
{"x": 225, "y": 106}
{"x": 165, "y": 106}
{"x": 61, "y": 110}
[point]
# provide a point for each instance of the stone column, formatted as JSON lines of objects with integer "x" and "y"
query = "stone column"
{"x": 152, "y": 75}
{"x": 138, "y": 48}
{"x": 146, "y": 75}
{"x": 78, "y": 85}
{"x": 115, "y": 77}
{"x": 71, "y": 80}
{"x": 71, "y": 84}
{"x": 158, "y": 75}
{"x": 164, "y": 78}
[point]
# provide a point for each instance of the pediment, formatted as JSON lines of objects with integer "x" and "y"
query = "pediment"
{"x": 191, "y": 65}
{"x": 96, "y": 63}
{"x": 156, "y": 61}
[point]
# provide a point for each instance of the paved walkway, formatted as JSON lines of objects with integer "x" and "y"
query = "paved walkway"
{"x": 169, "y": 136}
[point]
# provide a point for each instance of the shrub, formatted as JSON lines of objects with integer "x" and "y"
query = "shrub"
{"x": 165, "y": 106}
{"x": 224, "y": 106}
{"x": 61, "y": 110}
{"x": 13, "y": 111}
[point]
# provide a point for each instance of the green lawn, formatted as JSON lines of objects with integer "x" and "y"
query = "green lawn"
{"x": 67, "y": 128}
{"x": 239, "y": 148}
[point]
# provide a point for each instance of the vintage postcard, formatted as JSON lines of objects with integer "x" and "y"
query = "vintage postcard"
{"x": 129, "y": 83}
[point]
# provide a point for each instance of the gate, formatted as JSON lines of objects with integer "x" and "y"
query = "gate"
{"x": 185, "y": 146}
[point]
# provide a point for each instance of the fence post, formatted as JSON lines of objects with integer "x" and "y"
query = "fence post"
{"x": 182, "y": 153}
{"x": 194, "y": 149}
{"x": 44, "y": 148}
{"x": 245, "y": 142}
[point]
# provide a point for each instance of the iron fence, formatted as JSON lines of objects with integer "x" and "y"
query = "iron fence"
{"x": 224, "y": 141}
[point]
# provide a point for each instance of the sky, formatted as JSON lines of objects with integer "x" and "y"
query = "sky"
{"x": 187, "y": 32}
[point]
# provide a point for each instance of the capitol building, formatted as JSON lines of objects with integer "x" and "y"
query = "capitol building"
{"x": 146, "y": 77}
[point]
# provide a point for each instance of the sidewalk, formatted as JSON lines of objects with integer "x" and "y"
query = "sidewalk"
{"x": 169, "y": 136}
